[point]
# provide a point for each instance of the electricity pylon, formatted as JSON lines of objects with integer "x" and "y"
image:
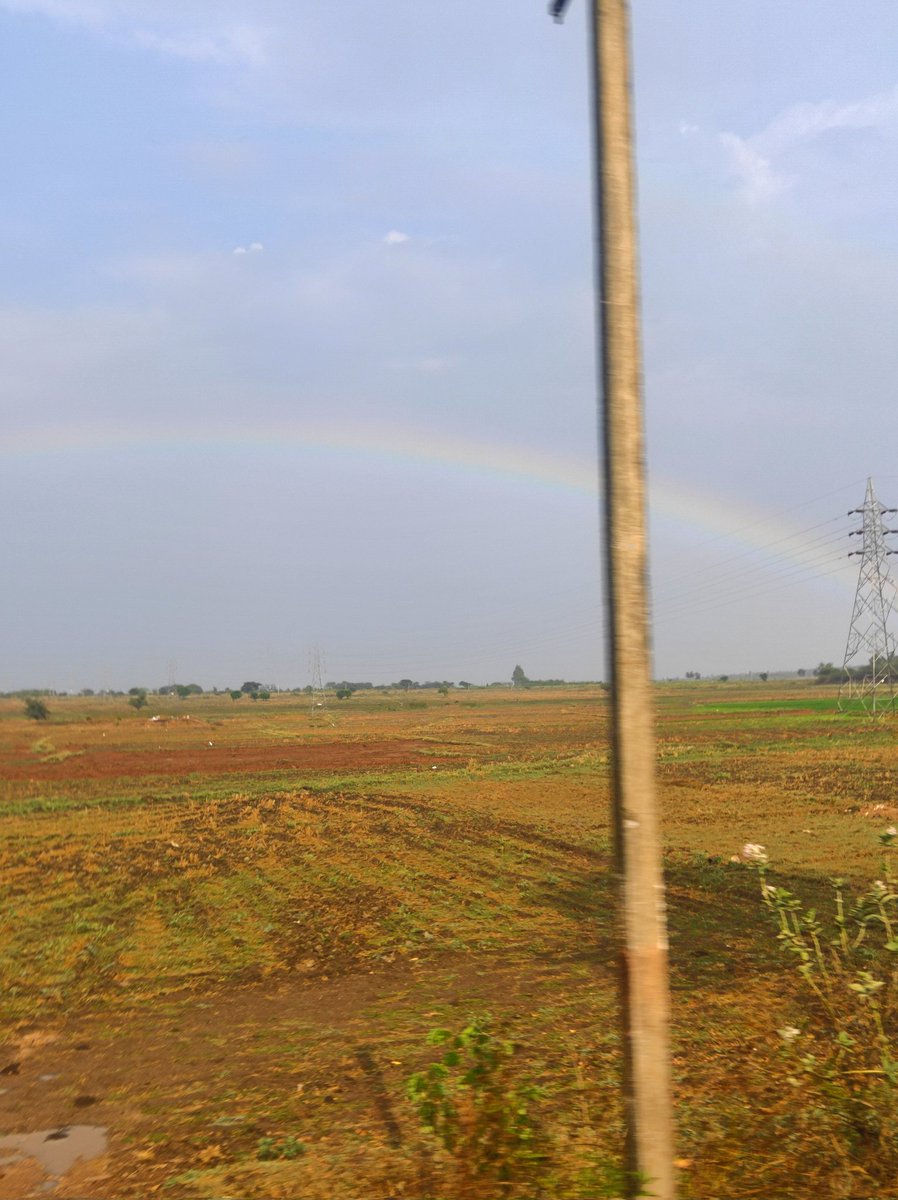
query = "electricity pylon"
{"x": 869, "y": 664}
{"x": 318, "y": 697}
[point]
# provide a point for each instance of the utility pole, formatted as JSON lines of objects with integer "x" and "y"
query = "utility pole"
{"x": 641, "y": 907}
{"x": 868, "y": 634}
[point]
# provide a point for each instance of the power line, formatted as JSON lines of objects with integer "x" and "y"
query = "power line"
{"x": 767, "y": 519}
{"x": 786, "y": 539}
{"x": 817, "y": 569}
{"x": 727, "y": 602}
{"x": 810, "y": 552}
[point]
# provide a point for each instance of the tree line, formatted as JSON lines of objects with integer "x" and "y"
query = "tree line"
{"x": 827, "y": 672}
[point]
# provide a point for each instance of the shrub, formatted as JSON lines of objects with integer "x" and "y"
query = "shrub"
{"x": 479, "y": 1116}
{"x": 492, "y": 1141}
{"x": 36, "y": 709}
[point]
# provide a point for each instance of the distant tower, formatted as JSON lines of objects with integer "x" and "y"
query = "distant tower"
{"x": 870, "y": 646}
{"x": 318, "y": 699}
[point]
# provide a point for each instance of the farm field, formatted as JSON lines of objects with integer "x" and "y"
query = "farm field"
{"x": 228, "y": 928}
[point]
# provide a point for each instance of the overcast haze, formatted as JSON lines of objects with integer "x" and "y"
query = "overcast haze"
{"x": 296, "y": 335}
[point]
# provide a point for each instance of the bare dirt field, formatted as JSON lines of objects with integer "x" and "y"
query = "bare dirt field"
{"x": 228, "y": 929}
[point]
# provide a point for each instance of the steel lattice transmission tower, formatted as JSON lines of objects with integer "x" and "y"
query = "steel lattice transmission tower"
{"x": 870, "y": 665}
{"x": 318, "y": 697}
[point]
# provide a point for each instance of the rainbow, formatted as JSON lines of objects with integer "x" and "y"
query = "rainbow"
{"x": 384, "y": 442}
{"x": 737, "y": 527}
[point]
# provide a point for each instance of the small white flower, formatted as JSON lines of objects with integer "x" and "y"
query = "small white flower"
{"x": 754, "y": 853}
{"x": 879, "y": 887}
{"x": 892, "y": 831}
{"x": 789, "y": 1033}
{"x": 768, "y": 890}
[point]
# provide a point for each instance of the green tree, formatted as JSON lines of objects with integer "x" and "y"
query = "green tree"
{"x": 827, "y": 672}
{"x": 235, "y": 695}
{"x": 138, "y": 698}
{"x": 36, "y": 709}
{"x": 518, "y": 678}
{"x": 344, "y": 693}
{"x": 764, "y": 676}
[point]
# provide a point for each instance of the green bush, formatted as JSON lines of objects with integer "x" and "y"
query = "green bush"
{"x": 492, "y": 1140}
{"x": 479, "y": 1116}
{"x": 36, "y": 709}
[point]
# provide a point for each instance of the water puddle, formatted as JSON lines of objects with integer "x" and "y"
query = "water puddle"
{"x": 57, "y": 1150}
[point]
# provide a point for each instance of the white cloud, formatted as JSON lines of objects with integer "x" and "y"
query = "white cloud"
{"x": 753, "y": 158}
{"x": 804, "y": 121}
{"x": 84, "y": 12}
{"x": 395, "y": 238}
{"x": 687, "y": 130}
{"x": 759, "y": 181}
{"x": 189, "y": 31}
{"x": 252, "y": 248}
{"x": 241, "y": 45}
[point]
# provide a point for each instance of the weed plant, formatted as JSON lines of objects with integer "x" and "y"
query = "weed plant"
{"x": 493, "y": 1140}
{"x": 841, "y": 1055}
{"x": 269, "y": 1148}
{"x": 481, "y": 1119}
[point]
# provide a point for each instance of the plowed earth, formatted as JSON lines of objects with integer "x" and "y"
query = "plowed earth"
{"x": 107, "y": 763}
{"x": 204, "y": 946}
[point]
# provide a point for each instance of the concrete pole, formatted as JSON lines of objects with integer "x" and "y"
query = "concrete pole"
{"x": 641, "y": 908}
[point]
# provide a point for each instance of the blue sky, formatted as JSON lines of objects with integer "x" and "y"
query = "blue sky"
{"x": 288, "y": 288}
